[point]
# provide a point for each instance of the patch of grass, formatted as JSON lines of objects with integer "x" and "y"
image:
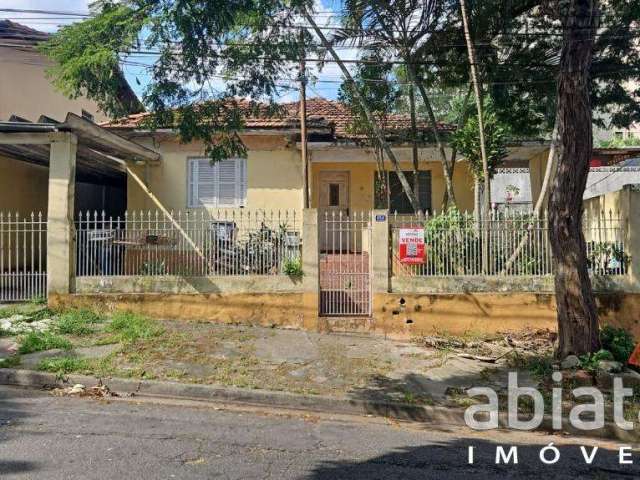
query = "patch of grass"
{"x": 77, "y": 322}
{"x": 6, "y": 312}
{"x": 63, "y": 365}
{"x": 130, "y": 327}
{"x": 540, "y": 367}
{"x": 10, "y": 362}
{"x": 40, "y": 314}
{"x": 38, "y": 341}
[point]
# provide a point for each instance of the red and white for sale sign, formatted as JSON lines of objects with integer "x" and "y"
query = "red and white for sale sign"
{"x": 411, "y": 244}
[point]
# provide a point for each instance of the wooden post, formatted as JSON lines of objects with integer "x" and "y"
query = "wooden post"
{"x": 303, "y": 122}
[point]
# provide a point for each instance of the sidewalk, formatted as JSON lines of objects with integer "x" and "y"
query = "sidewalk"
{"x": 346, "y": 366}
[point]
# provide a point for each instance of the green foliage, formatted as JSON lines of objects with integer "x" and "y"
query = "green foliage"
{"x": 250, "y": 43}
{"x": 467, "y": 141}
{"x": 590, "y": 361}
{"x": 618, "y": 341}
{"x": 63, "y": 365}
{"x": 77, "y": 322}
{"x": 292, "y": 267}
{"x": 10, "y": 362}
{"x": 6, "y": 312}
{"x": 128, "y": 327}
{"x": 439, "y": 231}
{"x": 87, "y": 55}
{"x": 607, "y": 257}
{"x": 153, "y": 268}
{"x": 617, "y": 142}
{"x": 39, "y": 341}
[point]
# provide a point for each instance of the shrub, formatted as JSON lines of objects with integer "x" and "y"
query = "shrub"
{"x": 129, "y": 327}
{"x": 618, "y": 341}
{"x": 292, "y": 267}
{"x": 38, "y": 341}
{"x": 77, "y": 322}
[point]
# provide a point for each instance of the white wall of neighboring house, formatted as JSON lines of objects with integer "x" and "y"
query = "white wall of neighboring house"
{"x": 601, "y": 180}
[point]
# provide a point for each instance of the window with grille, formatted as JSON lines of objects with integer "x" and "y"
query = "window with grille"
{"x": 397, "y": 200}
{"x": 223, "y": 184}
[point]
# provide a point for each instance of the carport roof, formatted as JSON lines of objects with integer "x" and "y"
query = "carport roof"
{"x": 100, "y": 152}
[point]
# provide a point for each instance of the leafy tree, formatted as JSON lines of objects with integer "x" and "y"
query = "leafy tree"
{"x": 249, "y": 43}
{"x": 467, "y": 141}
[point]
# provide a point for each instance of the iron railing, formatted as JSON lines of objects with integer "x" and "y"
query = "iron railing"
{"x": 345, "y": 258}
{"x": 515, "y": 244}
{"x": 23, "y": 257}
{"x": 190, "y": 243}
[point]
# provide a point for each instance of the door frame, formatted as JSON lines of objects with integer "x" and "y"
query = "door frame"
{"x": 324, "y": 173}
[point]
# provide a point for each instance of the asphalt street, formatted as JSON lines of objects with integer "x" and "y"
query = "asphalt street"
{"x": 43, "y": 436}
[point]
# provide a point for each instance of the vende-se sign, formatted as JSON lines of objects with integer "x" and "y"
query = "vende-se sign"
{"x": 411, "y": 245}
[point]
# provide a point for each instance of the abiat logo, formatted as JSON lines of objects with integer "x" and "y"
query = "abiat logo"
{"x": 594, "y": 411}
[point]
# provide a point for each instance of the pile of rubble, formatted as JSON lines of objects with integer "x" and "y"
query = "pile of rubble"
{"x": 79, "y": 390}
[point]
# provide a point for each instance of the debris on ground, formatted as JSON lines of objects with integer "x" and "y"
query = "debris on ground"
{"x": 79, "y": 390}
{"x": 492, "y": 349}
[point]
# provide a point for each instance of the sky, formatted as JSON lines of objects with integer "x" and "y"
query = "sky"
{"x": 326, "y": 86}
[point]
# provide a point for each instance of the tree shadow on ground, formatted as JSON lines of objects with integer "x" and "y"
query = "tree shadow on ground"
{"x": 11, "y": 413}
{"x": 449, "y": 460}
{"x": 405, "y": 397}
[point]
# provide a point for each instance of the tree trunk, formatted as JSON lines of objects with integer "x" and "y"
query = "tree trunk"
{"x": 378, "y": 133}
{"x": 447, "y": 169}
{"x": 577, "y": 317}
{"x": 486, "y": 181}
{"x": 414, "y": 143}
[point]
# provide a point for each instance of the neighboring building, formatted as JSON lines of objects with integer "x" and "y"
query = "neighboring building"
{"x": 25, "y": 90}
{"x": 26, "y": 94}
{"x": 342, "y": 175}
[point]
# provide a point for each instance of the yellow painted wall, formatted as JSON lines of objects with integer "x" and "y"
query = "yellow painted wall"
{"x": 274, "y": 176}
{"x": 362, "y": 178}
{"x": 23, "y": 187}
{"x": 27, "y": 92}
{"x": 537, "y": 166}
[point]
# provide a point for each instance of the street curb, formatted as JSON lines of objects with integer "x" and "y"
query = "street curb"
{"x": 434, "y": 415}
{"x": 187, "y": 391}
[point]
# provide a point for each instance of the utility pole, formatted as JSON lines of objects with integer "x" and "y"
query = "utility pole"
{"x": 303, "y": 122}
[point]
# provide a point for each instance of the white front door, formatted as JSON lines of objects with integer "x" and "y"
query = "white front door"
{"x": 334, "y": 210}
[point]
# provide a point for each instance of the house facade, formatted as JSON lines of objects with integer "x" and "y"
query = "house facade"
{"x": 344, "y": 173}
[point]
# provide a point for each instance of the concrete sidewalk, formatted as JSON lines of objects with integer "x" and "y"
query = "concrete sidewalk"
{"x": 346, "y": 366}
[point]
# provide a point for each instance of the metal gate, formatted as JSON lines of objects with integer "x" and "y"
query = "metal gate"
{"x": 345, "y": 264}
{"x": 23, "y": 256}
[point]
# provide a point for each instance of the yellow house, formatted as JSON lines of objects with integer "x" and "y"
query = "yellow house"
{"x": 342, "y": 176}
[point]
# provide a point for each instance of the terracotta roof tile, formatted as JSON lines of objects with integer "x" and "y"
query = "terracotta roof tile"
{"x": 320, "y": 113}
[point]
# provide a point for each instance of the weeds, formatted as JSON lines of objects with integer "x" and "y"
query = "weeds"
{"x": 7, "y": 312}
{"x": 618, "y": 341}
{"x": 77, "y": 322}
{"x": 10, "y": 362}
{"x": 63, "y": 365}
{"x": 129, "y": 327}
{"x": 39, "y": 341}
